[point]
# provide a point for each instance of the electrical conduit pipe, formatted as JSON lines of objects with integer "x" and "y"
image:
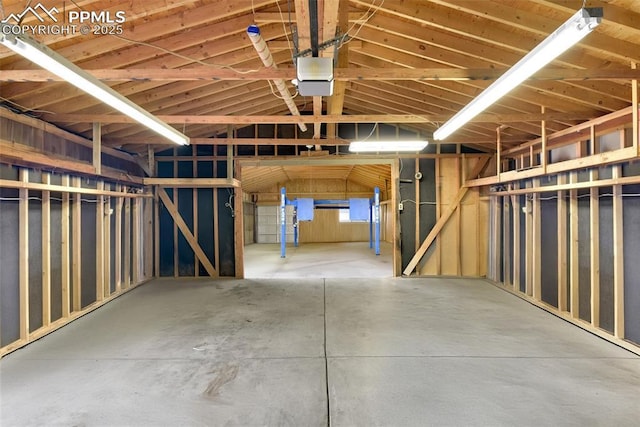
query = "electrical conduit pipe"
{"x": 265, "y": 54}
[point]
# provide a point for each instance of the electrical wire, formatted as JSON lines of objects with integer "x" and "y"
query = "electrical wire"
{"x": 346, "y": 38}
{"x": 188, "y": 58}
{"x": 25, "y": 109}
{"x": 284, "y": 27}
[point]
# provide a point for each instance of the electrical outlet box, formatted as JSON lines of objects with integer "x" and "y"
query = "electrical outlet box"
{"x": 400, "y": 207}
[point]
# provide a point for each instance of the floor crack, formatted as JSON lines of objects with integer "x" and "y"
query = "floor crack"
{"x": 326, "y": 362}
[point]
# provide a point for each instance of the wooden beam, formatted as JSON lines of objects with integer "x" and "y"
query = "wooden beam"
{"x": 106, "y": 278}
{"x": 193, "y": 243}
{"x": 238, "y": 234}
{"x": 46, "y": 252}
{"x": 315, "y": 118}
{"x": 126, "y": 261}
{"x": 574, "y": 254}
{"x": 439, "y": 225}
{"x": 76, "y": 252}
{"x": 561, "y": 213}
{"x": 573, "y": 185}
{"x": 23, "y": 243}
{"x": 618, "y": 258}
{"x": 335, "y": 103}
{"x": 594, "y": 249}
{"x": 529, "y": 246}
{"x": 506, "y": 250}
{"x": 617, "y": 156}
{"x": 97, "y": 147}
{"x": 100, "y": 249}
{"x": 193, "y": 182}
{"x": 536, "y": 222}
{"x": 395, "y": 218}
{"x": 118, "y": 243}
{"x": 205, "y": 73}
{"x": 7, "y": 183}
{"x": 65, "y": 247}
{"x": 634, "y": 114}
{"x": 515, "y": 203}
{"x": 136, "y": 236}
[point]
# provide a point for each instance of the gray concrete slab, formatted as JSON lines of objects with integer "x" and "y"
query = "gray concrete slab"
{"x": 400, "y": 352}
{"x": 319, "y": 260}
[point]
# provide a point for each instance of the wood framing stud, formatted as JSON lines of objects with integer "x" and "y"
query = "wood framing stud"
{"x": 23, "y": 233}
{"x": 618, "y": 258}
{"x": 184, "y": 229}
{"x": 439, "y": 225}
{"x": 574, "y": 266}
{"x": 46, "y": 252}
{"x": 594, "y": 248}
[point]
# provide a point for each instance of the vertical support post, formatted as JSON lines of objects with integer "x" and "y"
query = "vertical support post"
{"x": 147, "y": 232}
{"x": 97, "y": 148}
{"x": 107, "y": 244}
{"x": 136, "y": 235}
{"x": 537, "y": 243}
{"x": 371, "y": 202}
{"x": 194, "y": 199}
{"x": 543, "y": 134}
{"x": 528, "y": 224}
{"x": 417, "y": 199}
{"x": 594, "y": 227}
{"x": 618, "y": 257}
{"x": 395, "y": 217}
{"x": 127, "y": 243}
{"x": 562, "y": 246}
{"x": 46, "y": 252}
{"x": 283, "y": 223}
{"x": 76, "y": 256}
{"x": 438, "y": 248}
{"x": 229, "y": 154}
{"x": 506, "y": 252}
{"x": 216, "y": 228}
{"x": 634, "y": 104}
{"x": 100, "y": 264}
{"x": 23, "y": 232}
{"x": 156, "y": 232}
{"x": 574, "y": 267}
{"x": 239, "y": 231}
{"x": 118, "y": 243}
{"x": 376, "y": 217}
{"x": 460, "y": 165}
{"x": 64, "y": 249}
{"x": 151, "y": 160}
{"x": 515, "y": 204}
{"x": 499, "y": 152}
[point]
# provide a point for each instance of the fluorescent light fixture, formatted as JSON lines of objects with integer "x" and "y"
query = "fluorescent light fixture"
{"x": 568, "y": 34}
{"x": 386, "y": 146}
{"x": 12, "y": 38}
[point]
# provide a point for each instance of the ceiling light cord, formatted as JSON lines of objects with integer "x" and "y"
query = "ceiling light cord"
{"x": 364, "y": 19}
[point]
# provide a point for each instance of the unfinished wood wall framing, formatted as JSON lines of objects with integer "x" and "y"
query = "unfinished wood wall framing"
{"x": 200, "y": 213}
{"x": 75, "y": 245}
{"x": 571, "y": 236}
{"x": 455, "y": 244}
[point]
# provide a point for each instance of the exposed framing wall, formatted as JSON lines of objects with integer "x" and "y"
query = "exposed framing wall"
{"x": 454, "y": 241}
{"x": 200, "y": 213}
{"x": 75, "y": 226}
{"x": 77, "y": 242}
{"x": 586, "y": 220}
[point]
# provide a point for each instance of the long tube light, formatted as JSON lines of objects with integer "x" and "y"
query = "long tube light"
{"x": 568, "y": 34}
{"x": 65, "y": 69}
{"x": 386, "y": 146}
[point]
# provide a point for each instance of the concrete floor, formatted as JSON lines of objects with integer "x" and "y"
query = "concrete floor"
{"x": 321, "y": 260}
{"x": 392, "y": 352}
